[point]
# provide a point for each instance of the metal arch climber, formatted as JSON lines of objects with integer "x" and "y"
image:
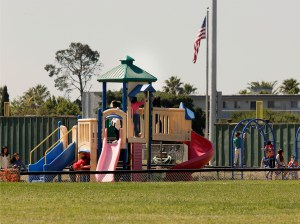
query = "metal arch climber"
{"x": 297, "y": 143}
{"x": 261, "y": 125}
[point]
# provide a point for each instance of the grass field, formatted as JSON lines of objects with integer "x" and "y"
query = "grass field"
{"x": 162, "y": 202}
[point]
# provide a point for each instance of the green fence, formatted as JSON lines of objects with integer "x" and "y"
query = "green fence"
{"x": 22, "y": 134}
{"x": 285, "y": 139}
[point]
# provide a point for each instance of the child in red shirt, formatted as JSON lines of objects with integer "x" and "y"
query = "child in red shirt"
{"x": 293, "y": 164}
{"x": 136, "y": 117}
{"x": 83, "y": 161}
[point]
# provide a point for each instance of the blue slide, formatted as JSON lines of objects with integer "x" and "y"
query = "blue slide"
{"x": 63, "y": 160}
{"x": 39, "y": 165}
{"x": 57, "y": 159}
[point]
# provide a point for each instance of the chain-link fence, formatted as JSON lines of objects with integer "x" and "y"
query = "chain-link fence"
{"x": 163, "y": 175}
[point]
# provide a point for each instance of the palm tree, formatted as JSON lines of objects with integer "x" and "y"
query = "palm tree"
{"x": 30, "y": 101}
{"x": 173, "y": 86}
{"x": 289, "y": 86}
{"x": 243, "y": 91}
{"x": 263, "y": 87}
{"x": 188, "y": 89}
{"x": 36, "y": 96}
{"x": 4, "y": 97}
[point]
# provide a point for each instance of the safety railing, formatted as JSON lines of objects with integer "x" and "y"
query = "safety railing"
{"x": 51, "y": 147}
{"x": 170, "y": 123}
{"x": 35, "y": 148}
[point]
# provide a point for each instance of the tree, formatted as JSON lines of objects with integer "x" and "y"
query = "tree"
{"x": 169, "y": 100}
{"x": 59, "y": 106}
{"x": 38, "y": 101}
{"x": 29, "y": 103}
{"x": 116, "y": 95}
{"x": 289, "y": 86}
{"x": 4, "y": 98}
{"x": 189, "y": 89}
{"x": 243, "y": 91}
{"x": 173, "y": 86}
{"x": 262, "y": 87}
{"x": 75, "y": 68}
{"x": 37, "y": 95}
{"x": 272, "y": 116}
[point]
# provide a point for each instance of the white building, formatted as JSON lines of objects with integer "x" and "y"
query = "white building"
{"x": 226, "y": 104}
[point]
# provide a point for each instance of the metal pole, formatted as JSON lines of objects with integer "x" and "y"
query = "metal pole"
{"x": 103, "y": 96}
{"x": 149, "y": 131}
{"x": 124, "y": 97}
{"x": 213, "y": 89}
{"x": 99, "y": 140}
{"x": 207, "y": 74}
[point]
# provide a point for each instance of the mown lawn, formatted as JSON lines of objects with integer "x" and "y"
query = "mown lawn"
{"x": 161, "y": 202}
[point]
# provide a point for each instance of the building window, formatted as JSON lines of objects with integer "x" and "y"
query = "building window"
{"x": 237, "y": 104}
{"x": 271, "y": 104}
{"x": 294, "y": 104}
{"x": 253, "y": 105}
{"x": 224, "y": 104}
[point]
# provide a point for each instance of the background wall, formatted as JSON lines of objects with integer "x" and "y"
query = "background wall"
{"x": 22, "y": 134}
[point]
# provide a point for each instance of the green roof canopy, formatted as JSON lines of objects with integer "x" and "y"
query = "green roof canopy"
{"x": 127, "y": 72}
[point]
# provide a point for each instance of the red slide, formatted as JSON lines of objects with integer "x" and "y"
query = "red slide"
{"x": 200, "y": 153}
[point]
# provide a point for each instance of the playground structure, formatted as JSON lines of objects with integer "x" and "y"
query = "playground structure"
{"x": 264, "y": 132}
{"x": 156, "y": 125}
{"x": 244, "y": 127}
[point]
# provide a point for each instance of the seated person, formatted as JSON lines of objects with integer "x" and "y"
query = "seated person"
{"x": 17, "y": 163}
{"x": 280, "y": 163}
{"x": 293, "y": 164}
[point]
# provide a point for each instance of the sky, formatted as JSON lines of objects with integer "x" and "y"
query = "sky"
{"x": 257, "y": 40}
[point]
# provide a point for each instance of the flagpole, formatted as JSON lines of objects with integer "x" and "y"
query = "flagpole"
{"x": 207, "y": 74}
{"x": 213, "y": 89}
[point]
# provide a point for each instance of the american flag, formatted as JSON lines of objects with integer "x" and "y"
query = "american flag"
{"x": 201, "y": 35}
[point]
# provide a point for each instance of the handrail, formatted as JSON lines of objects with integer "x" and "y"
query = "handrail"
{"x": 41, "y": 144}
{"x": 56, "y": 143}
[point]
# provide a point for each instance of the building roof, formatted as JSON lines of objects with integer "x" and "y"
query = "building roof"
{"x": 127, "y": 72}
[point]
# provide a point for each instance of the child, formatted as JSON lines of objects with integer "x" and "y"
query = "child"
{"x": 82, "y": 163}
{"x": 265, "y": 164}
{"x": 269, "y": 153}
{"x": 237, "y": 142}
{"x": 116, "y": 123}
{"x": 293, "y": 164}
{"x": 280, "y": 159}
{"x": 280, "y": 163}
{"x": 135, "y": 105}
{"x": 17, "y": 163}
